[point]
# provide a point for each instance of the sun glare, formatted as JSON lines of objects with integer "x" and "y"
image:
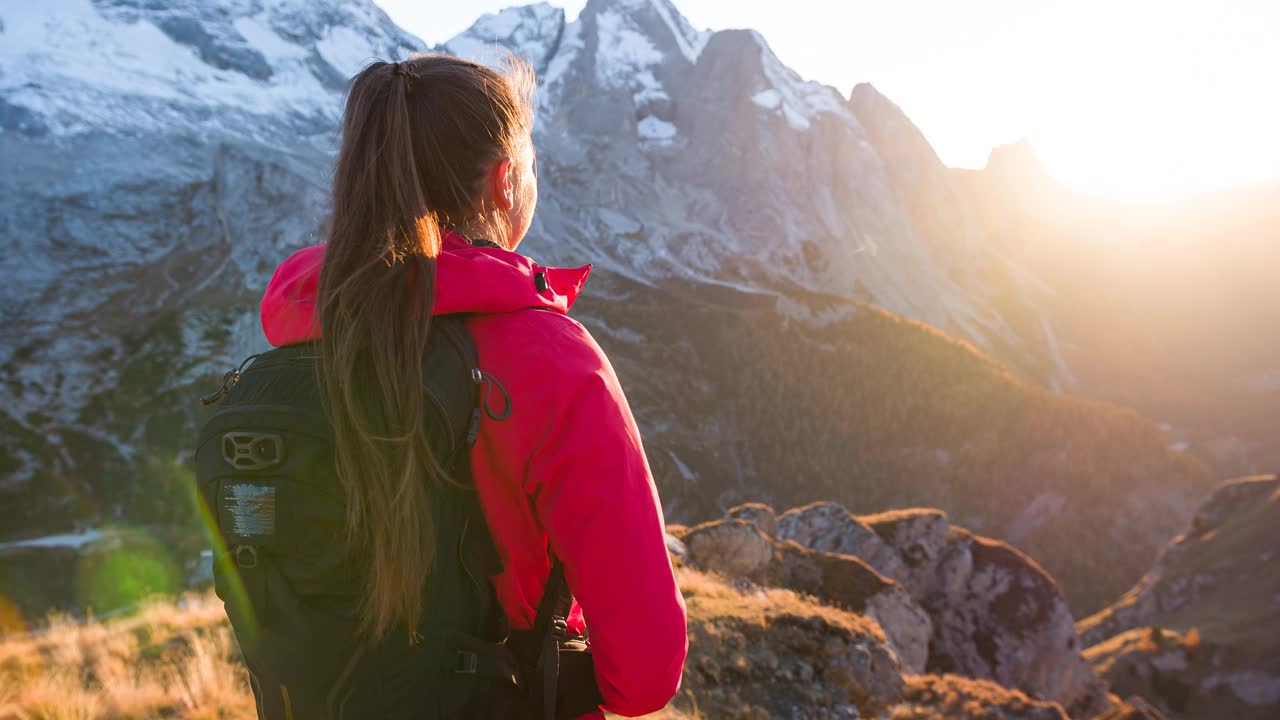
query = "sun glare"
{"x": 1155, "y": 103}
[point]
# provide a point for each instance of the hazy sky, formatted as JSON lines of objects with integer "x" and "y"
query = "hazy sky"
{"x": 1125, "y": 95}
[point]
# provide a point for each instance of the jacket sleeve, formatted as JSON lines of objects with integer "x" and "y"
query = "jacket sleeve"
{"x": 595, "y": 495}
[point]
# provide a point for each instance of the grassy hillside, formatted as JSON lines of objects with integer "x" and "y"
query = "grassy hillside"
{"x": 740, "y": 401}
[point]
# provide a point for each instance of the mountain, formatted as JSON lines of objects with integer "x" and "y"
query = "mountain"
{"x": 1200, "y": 633}
{"x": 700, "y": 156}
{"x": 788, "y": 281}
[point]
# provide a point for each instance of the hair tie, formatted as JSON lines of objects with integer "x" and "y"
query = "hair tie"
{"x": 406, "y": 69}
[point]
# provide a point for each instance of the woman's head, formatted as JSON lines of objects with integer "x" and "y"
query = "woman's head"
{"x": 451, "y": 137}
{"x": 429, "y": 143}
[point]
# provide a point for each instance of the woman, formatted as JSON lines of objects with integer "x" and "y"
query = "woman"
{"x": 435, "y": 187}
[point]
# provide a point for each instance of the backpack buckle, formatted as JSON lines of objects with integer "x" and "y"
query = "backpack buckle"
{"x": 245, "y": 450}
{"x": 465, "y": 663}
{"x": 246, "y": 556}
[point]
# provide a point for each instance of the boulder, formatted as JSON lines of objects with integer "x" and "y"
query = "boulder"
{"x": 775, "y": 654}
{"x": 738, "y": 549}
{"x": 733, "y": 547}
{"x": 758, "y": 514}
{"x": 829, "y": 527}
{"x": 999, "y": 616}
{"x": 1162, "y": 666}
{"x": 847, "y": 582}
{"x": 675, "y": 546}
{"x": 919, "y": 537}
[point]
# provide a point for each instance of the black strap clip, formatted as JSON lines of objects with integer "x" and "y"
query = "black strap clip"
{"x": 466, "y": 663}
{"x": 246, "y": 556}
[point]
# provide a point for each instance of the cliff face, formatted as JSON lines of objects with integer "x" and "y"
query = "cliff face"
{"x": 1200, "y": 633}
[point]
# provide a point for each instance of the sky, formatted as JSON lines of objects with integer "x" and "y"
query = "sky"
{"x": 1122, "y": 96}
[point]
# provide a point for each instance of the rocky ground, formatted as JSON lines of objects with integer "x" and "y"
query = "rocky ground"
{"x": 819, "y": 613}
{"x": 948, "y": 601}
{"x": 1198, "y": 635}
{"x": 980, "y": 630}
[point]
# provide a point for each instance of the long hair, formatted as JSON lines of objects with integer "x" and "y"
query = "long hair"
{"x": 417, "y": 140}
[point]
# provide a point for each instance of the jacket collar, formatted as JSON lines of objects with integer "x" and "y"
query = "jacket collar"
{"x": 469, "y": 279}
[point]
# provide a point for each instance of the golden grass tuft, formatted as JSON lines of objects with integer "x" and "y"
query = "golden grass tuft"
{"x": 173, "y": 660}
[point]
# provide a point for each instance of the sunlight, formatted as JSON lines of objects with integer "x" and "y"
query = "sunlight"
{"x": 1136, "y": 102}
{"x": 1160, "y": 161}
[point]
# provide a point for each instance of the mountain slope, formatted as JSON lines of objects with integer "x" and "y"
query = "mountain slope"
{"x": 1200, "y": 634}
{"x": 802, "y": 397}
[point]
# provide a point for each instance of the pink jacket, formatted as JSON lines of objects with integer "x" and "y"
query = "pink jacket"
{"x": 566, "y": 466}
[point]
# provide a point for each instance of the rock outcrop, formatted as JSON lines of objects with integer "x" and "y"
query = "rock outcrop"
{"x": 739, "y": 549}
{"x": 1199, "y": 636}
{"x": 963, "y": 604}
{"x": 773, "y": 654}
{"x": 828, "y": 527}
{"x": 998, "y": 616}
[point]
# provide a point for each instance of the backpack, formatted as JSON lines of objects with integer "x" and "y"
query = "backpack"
{"x": 291, "y": 586}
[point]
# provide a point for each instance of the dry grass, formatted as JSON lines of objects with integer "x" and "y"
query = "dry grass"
{"x": 173, "y": 660}
{"x": 179, "y": 660}
{"x": 945, "y": 697}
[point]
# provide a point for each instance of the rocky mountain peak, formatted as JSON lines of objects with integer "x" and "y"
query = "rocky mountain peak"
{"x": 1017, "y": 162}
{"x": 531, "y": 31}
{"x": 657, "y": 20}
{"x": 129, "y": 67}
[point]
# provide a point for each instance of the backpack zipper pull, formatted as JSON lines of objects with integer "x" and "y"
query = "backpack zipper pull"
{"x": 229, "y": 380}
{"x": 485, "y": 381}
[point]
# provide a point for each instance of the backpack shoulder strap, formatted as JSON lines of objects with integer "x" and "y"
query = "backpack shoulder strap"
{"x": 564, "y": 682}
{"x": 451, "y": 355}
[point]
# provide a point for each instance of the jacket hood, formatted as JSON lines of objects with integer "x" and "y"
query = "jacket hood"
{"x": 469, "y": 279}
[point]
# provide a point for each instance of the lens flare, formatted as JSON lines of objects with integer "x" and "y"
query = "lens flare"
{"x": 226, "y": 574}
{"x": 127, "y": 567}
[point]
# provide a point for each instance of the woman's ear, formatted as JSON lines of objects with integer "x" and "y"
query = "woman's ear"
{"x": 501, "y": 187}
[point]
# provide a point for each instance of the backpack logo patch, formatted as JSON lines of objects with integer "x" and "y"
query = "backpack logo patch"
{"x": 252, "y": 450}
{"x": 250, "y": 508}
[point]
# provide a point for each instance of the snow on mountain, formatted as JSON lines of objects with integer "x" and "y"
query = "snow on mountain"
{"x": 531, "y": 31}
{"x": 798, "y": 100}
{"x": 76, "y": 66}
{"x": 690, "y": 102}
